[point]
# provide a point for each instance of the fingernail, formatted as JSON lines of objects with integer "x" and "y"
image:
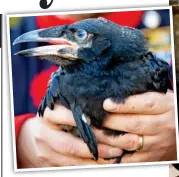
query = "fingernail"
{"x": 109, "y": 105}
{"x": 115, "y": 152}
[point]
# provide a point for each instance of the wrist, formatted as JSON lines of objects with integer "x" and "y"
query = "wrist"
{"x": 25, "y": 145}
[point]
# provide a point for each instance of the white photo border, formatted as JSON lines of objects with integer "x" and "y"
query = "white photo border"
{"x": 80, "y": 12}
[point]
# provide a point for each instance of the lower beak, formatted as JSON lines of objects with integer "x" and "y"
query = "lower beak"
{"x": 49, "y": 50}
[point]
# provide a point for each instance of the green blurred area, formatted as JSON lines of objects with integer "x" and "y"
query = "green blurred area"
{"x": 14, "y": 21}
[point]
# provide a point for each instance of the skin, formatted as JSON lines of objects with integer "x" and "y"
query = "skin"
{"x": 150, "y": 115}
{"x": 42, "y": 144}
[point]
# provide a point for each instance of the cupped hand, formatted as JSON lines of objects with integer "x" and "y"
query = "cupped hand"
{"x": 150, "y": 115}
{"x": 41, "y": 143}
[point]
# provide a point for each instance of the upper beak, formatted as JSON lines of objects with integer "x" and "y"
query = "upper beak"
{"x": 52, "y": 35}
{"x": 29, "y": 37}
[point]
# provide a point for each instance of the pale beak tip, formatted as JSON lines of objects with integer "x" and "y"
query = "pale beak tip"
{"x": 16, "y": 41}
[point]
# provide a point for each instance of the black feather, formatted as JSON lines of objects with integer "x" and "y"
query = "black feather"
{"x": 84, "y": 129}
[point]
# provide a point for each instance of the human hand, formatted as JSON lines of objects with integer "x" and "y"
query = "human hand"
{"x": 150, "y": 115}
{"x": 41, "y": 143}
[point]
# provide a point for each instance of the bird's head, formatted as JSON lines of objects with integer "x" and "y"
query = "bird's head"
{"x": 89, "y": 40}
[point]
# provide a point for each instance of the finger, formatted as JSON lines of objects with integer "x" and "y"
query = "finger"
{"x": 60, "y": 115}
{"x": 49, "y": 158}
{"x": 63, "y": 143}
{"x": 137, "y": 124}
{"x": 67, "y": 144}
{"x": 143, "y": 157}
{"x": 146, "y": 103}
{"x": 128, "y": 141}
{"x": 154, "y": 134}
{"x": 106, "y": 151}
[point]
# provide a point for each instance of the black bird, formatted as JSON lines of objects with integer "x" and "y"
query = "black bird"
{"x": 98, "y": 59}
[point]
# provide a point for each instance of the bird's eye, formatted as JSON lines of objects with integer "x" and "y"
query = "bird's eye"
{"x": 81, "y": 34}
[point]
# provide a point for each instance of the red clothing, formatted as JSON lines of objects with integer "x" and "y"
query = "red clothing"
{"x": 19, "y": 120}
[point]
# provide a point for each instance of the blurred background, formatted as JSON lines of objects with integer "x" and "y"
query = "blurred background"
{"x": 31, "y": 75}
{"x": 173, "y": 172}
{"x": 176, "y": 35}
{"x": 173, "y": 2}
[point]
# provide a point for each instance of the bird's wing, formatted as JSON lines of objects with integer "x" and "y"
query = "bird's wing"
{"x": 53, "y": 94}
{"x": 84, "y": 129}
{"x": 162, "y": 78}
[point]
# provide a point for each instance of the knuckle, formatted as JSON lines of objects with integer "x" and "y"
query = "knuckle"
{"x": 149, "y": 104}
{"x": 39, "y": 135}
{"x": 171, "y": 128}
{"x": 132, "y": 144}
{"x": 134, "y": 125}
{"x": 39, "y": 138}
{"x": 103, "y": 151}
{"x": 169, "y": 122}
{"x": 169, "y": 106}
{"x": 129, "y": 145}
{"x": 42, "y": 157}
{"x": 170, "y": 100}
{"x": 70, "y": 149}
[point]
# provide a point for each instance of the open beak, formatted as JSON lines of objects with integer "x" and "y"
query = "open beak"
{"x": 60, "y": 46}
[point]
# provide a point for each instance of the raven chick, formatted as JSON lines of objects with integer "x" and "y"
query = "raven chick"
{"x": 99, "y": 59}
